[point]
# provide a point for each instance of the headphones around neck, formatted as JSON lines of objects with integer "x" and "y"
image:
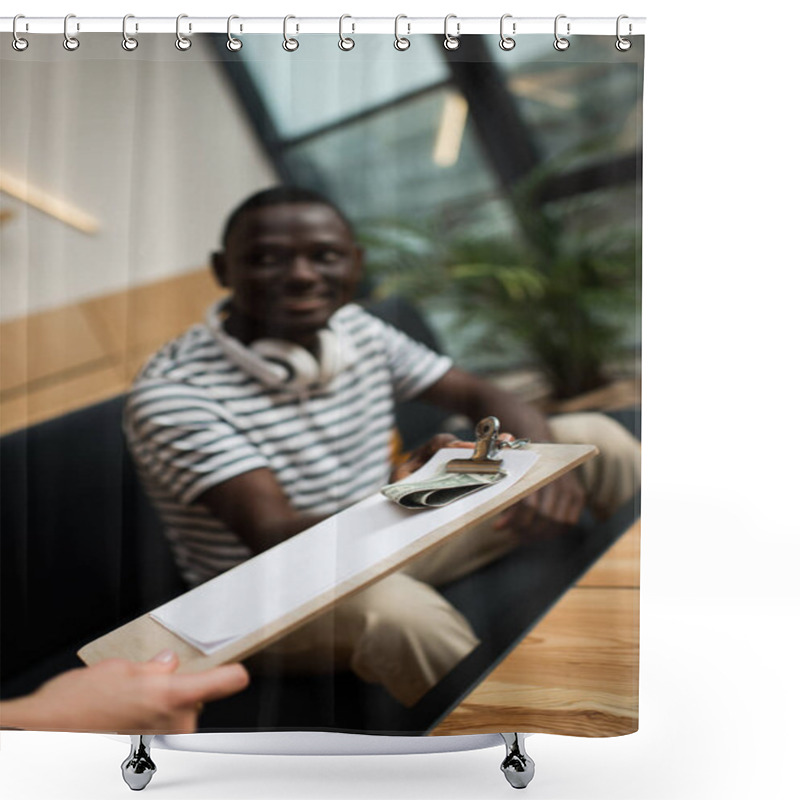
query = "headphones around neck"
{"x": 278, "y": 363}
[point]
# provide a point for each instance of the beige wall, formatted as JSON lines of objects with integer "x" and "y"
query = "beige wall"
{"x": 125, "y": 138}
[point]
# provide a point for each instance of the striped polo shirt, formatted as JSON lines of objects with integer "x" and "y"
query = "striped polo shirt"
{"x": 194, "y": 419}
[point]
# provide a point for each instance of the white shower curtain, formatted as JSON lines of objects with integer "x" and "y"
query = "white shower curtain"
{"x": 493, "y": 197}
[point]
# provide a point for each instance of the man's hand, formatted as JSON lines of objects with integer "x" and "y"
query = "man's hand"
{"x": 118, "y": 696}
{"x": 424, "y": 453}
{"x": 547, "y": 512}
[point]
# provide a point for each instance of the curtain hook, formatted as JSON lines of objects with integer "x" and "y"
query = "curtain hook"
{"x": 181, "y": 42}
{"x": 507, "y": 42}
{"x": 289, "y": 45}
{"x": 623, "y": 44}
{"x": 233, "y": 44}
{"x": 346, "y": 43}
{"x": 70, "y": 43}
{"x": 560, "y": 42}
{"x": 17, "y": 42}
{"x": 400, "y": 42}
{"x": 451, "y": 42}
{"x": 129, "y": 43}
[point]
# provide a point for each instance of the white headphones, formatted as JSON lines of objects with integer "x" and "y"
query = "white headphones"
{"x": 277, "y": 363}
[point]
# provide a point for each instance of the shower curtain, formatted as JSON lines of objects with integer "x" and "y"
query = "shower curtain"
{"x": 470, "y": 205}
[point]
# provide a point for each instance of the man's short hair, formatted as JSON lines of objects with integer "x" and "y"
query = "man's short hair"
{"x": 277, "y": 196}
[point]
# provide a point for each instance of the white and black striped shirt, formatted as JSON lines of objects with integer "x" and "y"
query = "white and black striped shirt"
{"x": 194, "y": 419}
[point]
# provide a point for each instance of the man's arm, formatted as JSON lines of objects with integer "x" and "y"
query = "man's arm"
{"x": 254, "y": 506}
{"x": 161, "y": 423}
{"x": 551, "y": 508}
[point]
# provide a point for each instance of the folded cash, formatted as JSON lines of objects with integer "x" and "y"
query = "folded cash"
{"x": 439, "y": 490}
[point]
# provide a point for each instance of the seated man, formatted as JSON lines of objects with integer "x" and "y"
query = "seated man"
{"x": 278, "y": 412}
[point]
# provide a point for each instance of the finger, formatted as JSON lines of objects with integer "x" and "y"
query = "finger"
{"x": 559, "y": 509}
{"x": 573, "y": 500}
{"x": 505, "y": 437}
{"x": 549, "y": 500}
{"x": 166, "y": 661}
{"x": 529, "y": 512}
{"x": 573, "y": 506}
{"x": 201, "y": 687}
{"x": 521, "y": 517}
{"x": 527, "y": 519}
{"x": 563, "y": 512}
{"x": 534, "y": 501}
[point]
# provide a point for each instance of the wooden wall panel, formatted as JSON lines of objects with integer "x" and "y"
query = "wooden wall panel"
{"x": 142, "y": 319}
{"x": 70, "y": 393}
{"x": 45, "y": 345}
{"x": 61, "y": 360}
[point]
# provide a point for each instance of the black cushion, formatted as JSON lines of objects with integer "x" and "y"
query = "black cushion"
{"x": 82, "y": 548}
{"x": 417, "y": 422}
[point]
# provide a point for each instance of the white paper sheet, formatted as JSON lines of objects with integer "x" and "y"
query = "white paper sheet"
{"x": 282, "y": 579}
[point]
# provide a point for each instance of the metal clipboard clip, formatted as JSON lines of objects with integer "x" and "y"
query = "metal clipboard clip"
{"x": 484, "y": 458}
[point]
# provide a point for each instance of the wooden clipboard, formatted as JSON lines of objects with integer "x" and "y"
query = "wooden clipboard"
{"x": 144, "y": 637}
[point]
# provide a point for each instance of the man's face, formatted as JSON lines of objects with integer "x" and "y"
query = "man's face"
{"x": 289, "y": 267}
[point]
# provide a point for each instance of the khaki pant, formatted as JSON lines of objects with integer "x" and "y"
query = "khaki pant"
{"x": 400, "y": 631}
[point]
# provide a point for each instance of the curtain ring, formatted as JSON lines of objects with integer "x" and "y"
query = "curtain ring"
{"x": 623, "y": 44}
{"x": 400, "y": 42}
{"x": 233, "y": 44}
{"x": 70, "y": 43}
{"x": 560, "y": 42}
{"x": 17, "y": 42}
{"x": 181, "y": 42}
{"x": 129, "y": 43}
{"x": 289, "y": 45}
{"x": 451, "y": 42}
{"x": 507, "y": 42}
{"x": 345, "y": 42}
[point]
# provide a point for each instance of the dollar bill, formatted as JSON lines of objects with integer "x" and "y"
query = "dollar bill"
{"x": 439, "y": 490}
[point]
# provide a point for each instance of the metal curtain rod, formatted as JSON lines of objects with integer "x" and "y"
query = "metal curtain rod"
{"x": 633, "y": 26}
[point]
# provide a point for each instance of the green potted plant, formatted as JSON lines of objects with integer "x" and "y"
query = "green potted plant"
{"x": 561, "y": 291}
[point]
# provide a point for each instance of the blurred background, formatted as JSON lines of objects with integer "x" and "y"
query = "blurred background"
{"x": 497, "y": 192}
